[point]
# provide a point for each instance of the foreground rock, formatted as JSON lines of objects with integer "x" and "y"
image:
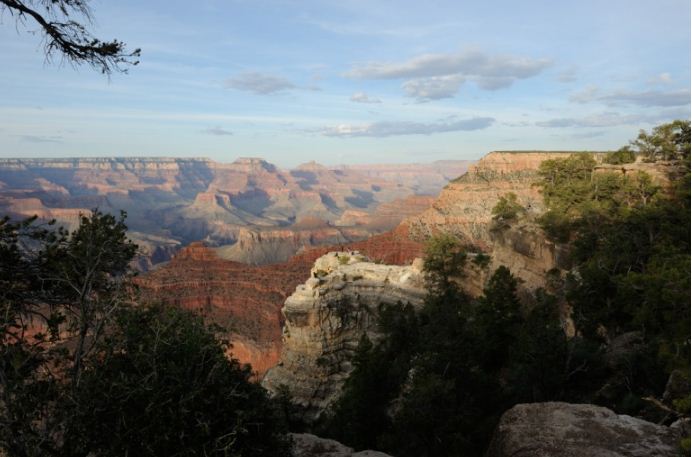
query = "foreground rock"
{"x": 569, "y": 430}
{"x": 326, "y": 318}
{"x": 307, "y": 445}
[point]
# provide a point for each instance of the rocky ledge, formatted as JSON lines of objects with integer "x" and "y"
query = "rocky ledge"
{"x": 307, "y": 445}
{"x": 325, "y": 319}
{"x": 570, "y": 430}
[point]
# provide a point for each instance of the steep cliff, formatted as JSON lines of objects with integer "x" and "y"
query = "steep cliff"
{"x": 247, "y": 299}
{"x": 325, "y": 319}
{"x": 464, "y": 209}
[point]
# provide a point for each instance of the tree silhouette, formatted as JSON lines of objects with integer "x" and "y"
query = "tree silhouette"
{"x": 70, "y": 38}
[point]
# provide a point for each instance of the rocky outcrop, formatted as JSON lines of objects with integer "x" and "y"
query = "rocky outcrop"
{"x": 307, "y": 445}
{"x": 265, "y": 246}
{"x": 325, "y": 319}
{"x": 571, "y": 430}
{"x": 247, "y": 299}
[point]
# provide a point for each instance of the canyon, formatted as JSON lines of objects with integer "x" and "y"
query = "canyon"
{"x": 171, "y": 202}
{"x": 251, "y": 297}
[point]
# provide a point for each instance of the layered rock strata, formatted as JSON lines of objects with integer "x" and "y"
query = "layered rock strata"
{"x": 464, "y": 209}
{"x": 175, "y": 201}
{"x": 247, "y": 299}
{"x": 325, "y": 319}
{"x": 572, "y": 430}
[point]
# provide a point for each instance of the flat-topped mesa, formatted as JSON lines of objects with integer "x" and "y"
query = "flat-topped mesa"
{"x": 325, "y": 319}
{"x": 248, "y": 164}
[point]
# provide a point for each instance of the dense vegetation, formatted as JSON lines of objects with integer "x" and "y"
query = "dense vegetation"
{"x": 86, "y": 371}
{"x": 442, "y": 377}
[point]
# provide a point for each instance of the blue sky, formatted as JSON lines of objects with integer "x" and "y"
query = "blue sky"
{"x": 352, "y": 81}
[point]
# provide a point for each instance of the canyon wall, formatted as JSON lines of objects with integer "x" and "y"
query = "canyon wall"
{"x": 247, "y": 299}
{"x": 171, "y": 202}
{"x": 325, "y": 319}
{"x": 464, "y": 209}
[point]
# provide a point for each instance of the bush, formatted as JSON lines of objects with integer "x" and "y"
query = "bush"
{"x": 507, "y": 208}
{"x": 621, "y": 156}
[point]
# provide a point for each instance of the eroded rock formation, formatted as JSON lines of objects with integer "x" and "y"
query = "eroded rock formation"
{"x": 247, "y": 299}
{"x": 172, "y": 202}
{"x": 325, "y": 319}
{"x": 571, "y": 430}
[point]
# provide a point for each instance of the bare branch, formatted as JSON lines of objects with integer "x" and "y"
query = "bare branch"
{"x": 71, "y": 39}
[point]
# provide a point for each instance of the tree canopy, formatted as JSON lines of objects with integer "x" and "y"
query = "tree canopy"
{"x": 87, "y": 370}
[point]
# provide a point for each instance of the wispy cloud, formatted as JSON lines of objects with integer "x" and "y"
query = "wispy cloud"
{"x": 397, "y": 128}
{"x": 362, "y": 97}
{"x": 568, "y": 75}
{"x": 433, "y": 88}
{"x": 650, "y": 98}
{"x": 259, "y": 83}
{"x": 662, "y": 78}
{"x": 218, "y": 130}
{"x": 612, "y": 119}
{"x": 41, "y": 138}
{"x": 440, "y": 74}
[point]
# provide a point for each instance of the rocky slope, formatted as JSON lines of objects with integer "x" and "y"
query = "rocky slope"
{"x": 464, "y": 209}
{"x": 569, "y": 430}
{"x": 171, "y": 202}
{"x": 325, "y": 319}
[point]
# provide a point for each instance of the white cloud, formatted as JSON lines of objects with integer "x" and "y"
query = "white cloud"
{"x": 648, "y": 98}
{"x": 259, "y": 83}
{"x": 41, "y": 138}
{"x": 612, "y": 119}
{"x": 362, "y": 97}
{"x": 441, "y": 75}
{"x": 663, "y": 78}
{"x": 468, "y": 63}
{"x": 568, "y": 75}
{"x": 433, "y": 88}
{"x": 396, "y": 128}
{"x": 218, "y": 130}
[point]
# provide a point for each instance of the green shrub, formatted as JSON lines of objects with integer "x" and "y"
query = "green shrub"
{"x": 507, "y": 208}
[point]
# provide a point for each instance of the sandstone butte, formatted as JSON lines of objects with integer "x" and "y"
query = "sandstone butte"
{"x": 247, "y": 299}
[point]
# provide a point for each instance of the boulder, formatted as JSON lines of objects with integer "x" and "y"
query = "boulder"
{"x": 576, "y": 430}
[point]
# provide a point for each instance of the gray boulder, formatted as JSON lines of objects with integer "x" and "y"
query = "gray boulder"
{"x": 569, "y": 430}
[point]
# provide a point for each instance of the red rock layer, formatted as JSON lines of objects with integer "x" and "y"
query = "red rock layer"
{"x": 246, "y": 299}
